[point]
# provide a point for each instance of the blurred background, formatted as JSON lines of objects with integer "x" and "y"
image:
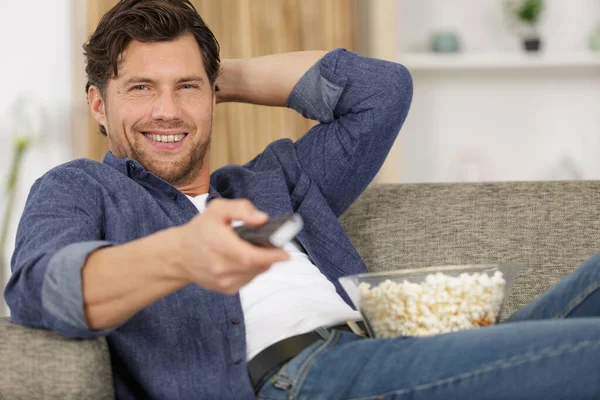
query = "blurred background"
{"x": 504, "y": 90}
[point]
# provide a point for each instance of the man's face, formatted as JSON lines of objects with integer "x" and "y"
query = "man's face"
{"x": 159, "y": 109}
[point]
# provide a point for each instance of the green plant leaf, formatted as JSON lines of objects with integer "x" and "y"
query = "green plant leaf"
{"x": 527, "y": 11}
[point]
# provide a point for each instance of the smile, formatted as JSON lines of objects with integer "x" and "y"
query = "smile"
{"x": 164, "y": 138}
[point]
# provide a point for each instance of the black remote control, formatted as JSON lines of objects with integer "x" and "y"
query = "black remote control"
{"x": 276, "y": 232}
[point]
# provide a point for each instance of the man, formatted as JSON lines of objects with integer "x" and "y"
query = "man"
{"x": 130, "y": 249}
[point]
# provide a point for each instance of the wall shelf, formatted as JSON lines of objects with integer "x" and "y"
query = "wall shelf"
{"x": 497, "y": 61}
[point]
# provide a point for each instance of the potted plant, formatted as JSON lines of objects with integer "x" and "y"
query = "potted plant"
{"x": 595, "y": 39}
{"x": 22, "y": 143}
{"x": 527, "y": 15}
{"x": 28, "y": 118}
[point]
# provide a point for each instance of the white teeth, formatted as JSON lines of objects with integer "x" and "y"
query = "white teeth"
{"x": 164, "y": 138}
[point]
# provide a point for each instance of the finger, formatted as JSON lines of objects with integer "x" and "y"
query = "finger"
{"x": 246, "y": 255}
{"x": 255, "y": 257}
{"x": 240, "y": 255}
{"x": 240, "y": 209}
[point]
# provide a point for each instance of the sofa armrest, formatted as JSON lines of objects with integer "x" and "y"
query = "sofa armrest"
{"x": 40, "y": 364}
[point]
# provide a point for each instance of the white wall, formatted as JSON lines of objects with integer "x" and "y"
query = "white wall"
{"x": 36, "y": 53}
{"x": 466, "y": 126}
{"x": 500, "y": 124}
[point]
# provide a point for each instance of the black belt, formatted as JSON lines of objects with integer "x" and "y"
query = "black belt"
{"x": 274, "y": 356}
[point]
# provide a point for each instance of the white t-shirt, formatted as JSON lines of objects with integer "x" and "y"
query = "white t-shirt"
{"x": 290, "y": 298}
{"x": 199, "y": 202}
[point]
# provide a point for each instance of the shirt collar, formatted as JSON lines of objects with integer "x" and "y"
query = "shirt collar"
{"x": 120, "y": 164}
{"x": 131, "y": 167}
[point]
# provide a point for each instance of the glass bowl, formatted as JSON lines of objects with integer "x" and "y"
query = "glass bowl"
{"x": 431, "y": 300}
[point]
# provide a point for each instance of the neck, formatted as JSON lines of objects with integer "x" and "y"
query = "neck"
{"x": 194, "y": 191}
{"x": 200, "y": 185}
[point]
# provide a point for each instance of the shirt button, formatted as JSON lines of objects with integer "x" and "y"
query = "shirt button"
{"x": 235, "y": 321}
{"x": 173, "y": 196}
{"x": 131, "y": 167}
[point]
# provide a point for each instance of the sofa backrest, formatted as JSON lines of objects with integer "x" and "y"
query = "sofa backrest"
{"x": 546, "y": 227}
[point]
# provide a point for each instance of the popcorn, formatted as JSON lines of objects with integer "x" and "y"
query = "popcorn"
{"x": 440, "y": 304}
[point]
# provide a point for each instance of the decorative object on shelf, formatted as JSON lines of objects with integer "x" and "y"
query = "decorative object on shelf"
{"x": 595, "y": 39}
{"x": 445, "y": 42}
{"x": 526, "y": 13}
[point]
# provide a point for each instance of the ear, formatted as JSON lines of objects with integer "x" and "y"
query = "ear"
{"x": 97, "y": 106}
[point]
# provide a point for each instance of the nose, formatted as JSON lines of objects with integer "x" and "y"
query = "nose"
{"x": 165, "y": 107}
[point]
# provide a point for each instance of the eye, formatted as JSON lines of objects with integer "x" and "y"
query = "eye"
{"x": 189, "y": 86}
{"x": 140, "y": 87}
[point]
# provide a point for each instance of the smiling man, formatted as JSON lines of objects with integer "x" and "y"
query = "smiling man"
{"x": 140, "y": 248}
{"x": 170, "y": 136}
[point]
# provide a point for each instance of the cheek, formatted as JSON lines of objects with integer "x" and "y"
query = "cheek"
{"x": 200, "y": 111}
{"x": 130, "y": 113}
{"x": 203, "y": 116}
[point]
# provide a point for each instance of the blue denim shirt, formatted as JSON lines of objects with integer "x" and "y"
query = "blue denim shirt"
{"x": 191, "y": 343}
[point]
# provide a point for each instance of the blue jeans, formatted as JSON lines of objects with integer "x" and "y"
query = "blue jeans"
{"x": 550, "y": 349}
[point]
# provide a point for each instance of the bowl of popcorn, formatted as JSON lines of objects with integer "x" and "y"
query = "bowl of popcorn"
{"x": 432, "y": 300}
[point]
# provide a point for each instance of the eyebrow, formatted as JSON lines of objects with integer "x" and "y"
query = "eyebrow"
{"x": 140, "y": 79}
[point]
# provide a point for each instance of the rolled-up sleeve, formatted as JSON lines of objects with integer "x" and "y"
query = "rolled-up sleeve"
{"x": 60, "y": 227}
{"x": 361, "y": 104}
{"x": 62, "y": 295}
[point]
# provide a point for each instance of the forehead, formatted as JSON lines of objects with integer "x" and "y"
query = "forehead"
{"x": 174, "y": 58}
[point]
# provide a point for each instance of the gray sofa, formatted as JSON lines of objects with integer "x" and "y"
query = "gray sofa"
{"x": 546, "y": 227}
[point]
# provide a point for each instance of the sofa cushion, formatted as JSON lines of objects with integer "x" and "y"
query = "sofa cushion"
{"x": 546, "y": 227}
{"x": 39, "y": 364}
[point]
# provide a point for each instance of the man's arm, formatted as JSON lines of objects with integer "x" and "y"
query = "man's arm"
{"x": 118, "y": 281}
{"x": 360, "y": 102}
{"x": 204, "y": 251}
{"x": 68, "y": 279}
{"x": 266, "y": 80}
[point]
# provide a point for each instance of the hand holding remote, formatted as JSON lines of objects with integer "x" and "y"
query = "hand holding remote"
{"x": 214, "y": 257}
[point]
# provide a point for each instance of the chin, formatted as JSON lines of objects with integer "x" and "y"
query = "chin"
{"x": 174, "y": 175}
{"x": 168, "y": 174}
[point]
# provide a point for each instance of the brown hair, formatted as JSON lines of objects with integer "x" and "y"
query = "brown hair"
{"x": 145, "y": 21}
